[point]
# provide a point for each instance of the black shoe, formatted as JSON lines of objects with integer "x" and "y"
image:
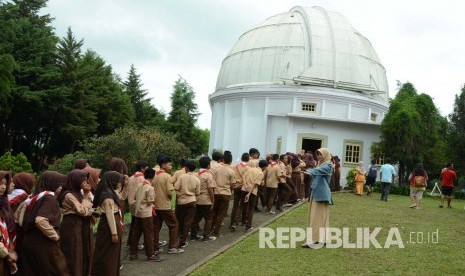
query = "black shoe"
{"x": 441, "y": 206}
{"x": 196, "y": 238}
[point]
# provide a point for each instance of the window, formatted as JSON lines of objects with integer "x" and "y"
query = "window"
{"x": 309, "y": 107}
{"x": 352, "y": 152}
{"x": 279, "y": 142}
{"x": 379, "y": 159}
{"x": 374, "y": 117}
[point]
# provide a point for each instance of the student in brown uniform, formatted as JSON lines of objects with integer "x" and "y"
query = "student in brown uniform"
{"x": 107, "y": 253}
{"x": 143, "y": 218}
{"x": 205, "y": 201}
{"x": 239, "y": 171}
{"x": 119, "y": 165}
{"x": 89, "y": 221}
{"x": 163, "y": 193}
{"x": 284, "y": 190}
{"x": 225, "y": 182}
{"x": 23, "y": 183}
{"x": 187, "y": 187}
{"x": 8, "y": 256}
{"x": 253, "y": 163}
{"x": 215, "y": 163}
{"x": 41, "y": 246}
{"x": 273, "y": 175}
{"x": 134, "y": 182}
{"x": 296, "y": 176}
{"x": 181, "y": 171}
{"x": 252, "y": 179}
{"x": 73, "y": 232}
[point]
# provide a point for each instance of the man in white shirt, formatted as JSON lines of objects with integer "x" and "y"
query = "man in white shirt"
{"x": 386, "y": 175}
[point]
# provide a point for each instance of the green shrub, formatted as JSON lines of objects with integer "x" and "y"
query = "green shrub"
{"x": 128, "y": 143}
{"x": 66, "y": 164}
{"x": 350, "y": 177}
{"x": 16, "y": 164}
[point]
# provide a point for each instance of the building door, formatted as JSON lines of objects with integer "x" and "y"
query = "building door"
{"x": 311, "y": 145}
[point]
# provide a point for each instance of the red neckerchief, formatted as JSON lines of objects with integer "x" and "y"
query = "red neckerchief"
{"x": 36, "y": 198}
{"x": 273, "y": 163}
{"x": 146, "y": 182}
{"x": 201, "y": 171}
{"x": 5, "y": 234}
{"x": 242, "y": 164}
{"x": 17, "y": 194}
{"x": 137, "y": 174}
{"x": 121, "y": 222}
{"x": 160, "y": 172}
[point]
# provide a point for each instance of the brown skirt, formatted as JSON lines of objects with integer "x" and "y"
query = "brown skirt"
{"x": 42, "y": 256}
{"x": 75, "y": 242}
{"x": 107, "y": 254}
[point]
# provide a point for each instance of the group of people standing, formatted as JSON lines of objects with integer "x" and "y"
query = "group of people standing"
{"x": 418, "y": 181}
{"x": 47, "y": 227}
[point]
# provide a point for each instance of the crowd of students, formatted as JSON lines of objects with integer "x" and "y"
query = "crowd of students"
{"x": 47, "y": 228}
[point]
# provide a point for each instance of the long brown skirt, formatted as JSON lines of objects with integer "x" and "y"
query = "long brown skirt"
{"x": 74, "y": 239}
{"x": 318, "y": 221}
{"x": 42, "y": 256}
{"x": 107, "y": 254}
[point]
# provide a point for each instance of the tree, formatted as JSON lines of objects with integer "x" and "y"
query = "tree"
{"x": 411, "y": 131}
{"x": 28, "y": 37}
{"x": 68, "y": 54}
{"x": 7, "y": 66}
{"x": 145, "y": 114}
{"x": 456, "y": 133}
{"x": 183, "y": 116}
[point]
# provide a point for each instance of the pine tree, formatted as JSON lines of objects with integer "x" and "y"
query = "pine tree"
{"x": 145, "y": 114}
{"x": 183, "y": 116}
{"x": 456, "y": 133}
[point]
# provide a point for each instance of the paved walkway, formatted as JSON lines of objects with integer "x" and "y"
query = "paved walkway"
{"x": 195, "y": 254}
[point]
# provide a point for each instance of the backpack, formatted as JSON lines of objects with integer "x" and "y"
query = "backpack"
{"x": 373, "y": 172}
{"x": 419, "y": 181}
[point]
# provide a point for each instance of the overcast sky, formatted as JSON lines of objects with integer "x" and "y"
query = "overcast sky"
{"x": 418, "y": 41}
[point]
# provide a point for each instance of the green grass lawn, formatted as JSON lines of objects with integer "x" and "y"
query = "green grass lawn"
{"x": 446, "y": 257}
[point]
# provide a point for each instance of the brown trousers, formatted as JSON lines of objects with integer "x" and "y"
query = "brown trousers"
{"x": 308, "y": 183}
{"x": 248, "y": 208}
{"x": 293, "y": 192}
{"x": 169, "y": 218}
{"x": 300, "y": 187}
{"x": 131, "y": 230}
{"x": 236, "y": 210}
{"x": 220, "y": 209}
{"x": 185, "y": 214}
{"x": 261, "y": 195}
{"x": 284, "y": 191}
{"x": 202, "y": 212}
{"x": 142, "y": 226}
{"x": 270, "y": 196}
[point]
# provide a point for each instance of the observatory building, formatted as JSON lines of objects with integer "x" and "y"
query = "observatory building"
{"x": 303, "y": 79}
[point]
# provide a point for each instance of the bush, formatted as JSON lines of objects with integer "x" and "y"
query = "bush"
{"x": 66, "y": 164}
{"x": 132, "y": 145}
{"x": 16, "y": 164}
{"x": 395, "y": 189}
{"x": 350, "y": 177}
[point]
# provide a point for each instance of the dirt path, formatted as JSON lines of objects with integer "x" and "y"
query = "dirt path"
{"x": 195, "y": 253}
